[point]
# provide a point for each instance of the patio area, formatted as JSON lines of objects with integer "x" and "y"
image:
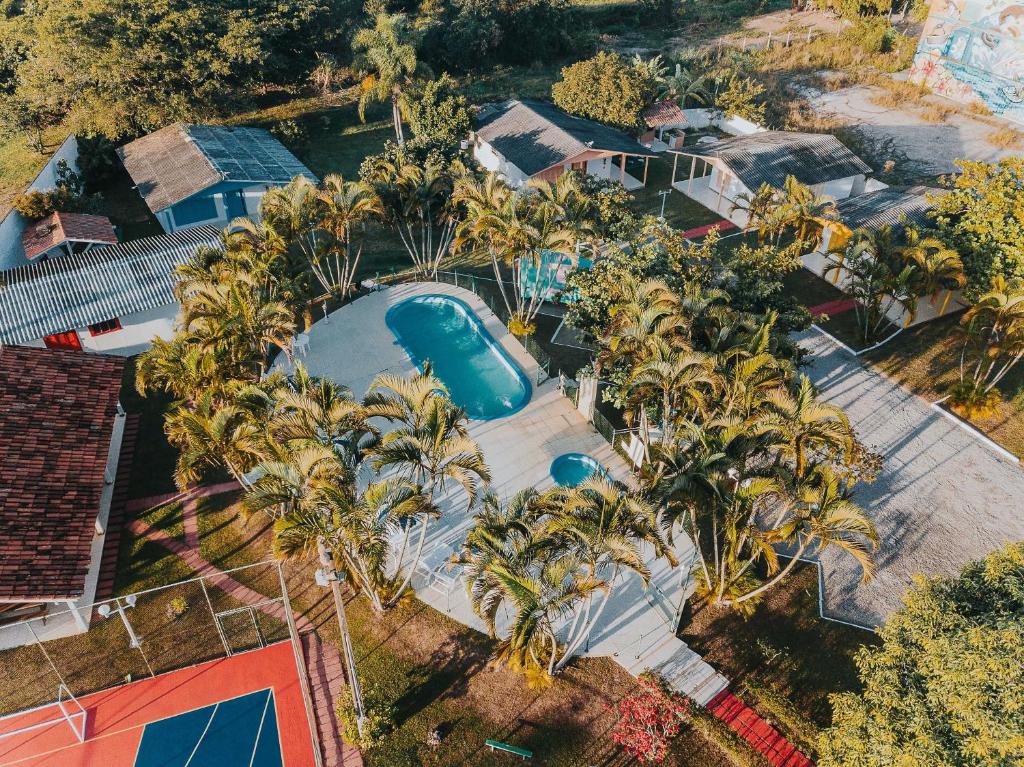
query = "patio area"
{"x": 354, "y": 344}
{"x": 699, "y": 190}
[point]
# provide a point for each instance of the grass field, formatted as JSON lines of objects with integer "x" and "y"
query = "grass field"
{"x": 785, "y": 660}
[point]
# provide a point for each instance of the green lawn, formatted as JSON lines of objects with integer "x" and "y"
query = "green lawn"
{"x": 785, "y": 660}
{"x": 680, "y": 211}
{"x": 19, "y": 164}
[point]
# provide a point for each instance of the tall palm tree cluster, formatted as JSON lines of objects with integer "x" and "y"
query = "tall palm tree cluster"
{"x": 885, "y": 269}
{"x": 740, "y": 454}
{"x": 516, "y": 232}
{"x": 540, "y": 570}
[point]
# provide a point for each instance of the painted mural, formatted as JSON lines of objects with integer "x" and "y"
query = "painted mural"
{"x": 973, "y": 51}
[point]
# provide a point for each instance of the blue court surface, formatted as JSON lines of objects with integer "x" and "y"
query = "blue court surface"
{"x": 239, "y": 732}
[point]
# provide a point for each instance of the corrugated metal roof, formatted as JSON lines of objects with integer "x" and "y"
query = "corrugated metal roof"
{"x": 886, "y": 207}
{"x": 178, "y": 161}
{"x": 535, "y": 135}
{"x": 71, "y": 292}
{"x": 769, "y": 157}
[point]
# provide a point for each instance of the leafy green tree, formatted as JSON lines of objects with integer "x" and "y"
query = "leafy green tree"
{"x": 944, "y": 689}
{"x": 980, "y": 216}
{"x": 437, "y": 111}
{"x": 606, "y": 88}
{"x": 741, "y": 98}
{"x": 387, "y": 53}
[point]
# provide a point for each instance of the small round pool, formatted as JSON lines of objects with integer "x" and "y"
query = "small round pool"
{"x": 573, "y": 469}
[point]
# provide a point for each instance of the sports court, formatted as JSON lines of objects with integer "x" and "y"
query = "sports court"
{"x": 246, "y": 710}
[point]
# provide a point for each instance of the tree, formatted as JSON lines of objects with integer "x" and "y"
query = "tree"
{"x": 437, "y": 111}
{"x": 650, "y": 718}
{"x": 684, "y": 87}
{"x": 804, "y": 211}
{"x": 429, "y": 446}
{"x": 606, "y": 88}
{"x": 979, "y": 216}
{"x": 344, "y": 208}
{"x": 517, "y": 231}
{"x": 387, "y": 53}
{"x": 415, "y": 201}
{"x": 938, "y": 266}
{"x": 877, "y": 278}
{"x": 994, "y": 344}
{"x": 944, "y": 688}
{"x": 740, "y": 98}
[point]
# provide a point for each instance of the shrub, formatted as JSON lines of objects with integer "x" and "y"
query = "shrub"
{"x": 441, "y": 114}
{"x": 740, "y": 98}
{"x": 292, "y": 134}
{"x": 377, "y": 724}
{"x": 650, "y": 718}
{"x": 177, "y": 607}
{"x": 38, "y": 205}
{"x": 970, "y": 400}
{"x": 606, "y": 88}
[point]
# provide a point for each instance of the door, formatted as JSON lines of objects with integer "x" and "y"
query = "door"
{"x": 66, "y": 340}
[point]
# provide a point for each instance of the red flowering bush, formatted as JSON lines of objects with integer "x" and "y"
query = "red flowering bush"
{"x": 650, "y": 718}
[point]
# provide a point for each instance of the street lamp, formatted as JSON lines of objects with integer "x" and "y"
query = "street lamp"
{"x": 664, "y": 193}
{"x": 105, "y": 611}
{"x": 326, "y": 576}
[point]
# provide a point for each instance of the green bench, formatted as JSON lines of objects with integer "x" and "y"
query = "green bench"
{"x": 495, "y": 745}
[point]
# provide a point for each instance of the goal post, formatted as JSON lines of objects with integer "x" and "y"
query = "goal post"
{"x": 69, "y": 711}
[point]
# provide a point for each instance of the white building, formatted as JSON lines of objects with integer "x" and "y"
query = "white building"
{"x": 114, "y": 299}
{"x": 721, "y": 171}
{"x": 530, "y": 139}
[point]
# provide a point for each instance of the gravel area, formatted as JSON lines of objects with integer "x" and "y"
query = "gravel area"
{"x": 944, "y": 497}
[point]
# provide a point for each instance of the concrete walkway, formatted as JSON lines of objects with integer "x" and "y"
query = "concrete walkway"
{"x": 944, "y": 497}
{"x": 323, "y": 661}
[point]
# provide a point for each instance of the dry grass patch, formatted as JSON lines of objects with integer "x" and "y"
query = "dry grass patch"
{"x": 1005, "y": 138}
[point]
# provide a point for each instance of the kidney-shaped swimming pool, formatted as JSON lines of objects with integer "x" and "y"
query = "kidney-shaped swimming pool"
{"x": 479, "y": 374}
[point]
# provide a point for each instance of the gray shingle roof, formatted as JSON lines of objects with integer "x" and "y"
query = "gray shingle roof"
{"x": 886, "y": 207}
{"x": 180, "y": 160}
{"x": 71, "y": 292}
{"x": 768, "y": 157}
{"x": 534, "y": 135}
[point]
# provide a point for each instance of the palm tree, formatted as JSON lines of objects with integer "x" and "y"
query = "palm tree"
{"x": 515, "y": 231}
{"x": 995, "y": 327}
{"x": 804, "y": 426}
{"x": 804, "y": 210}
{"x": 608, "y": 529}
{"x": 877, "y": 278}
{"x": 683, "y": 86}
{"x": 762, "y": 209}
{"x": 387, "y": 52}
{"x": 180, "y": 368}
{"x": 938, "y": 266}
{"x": 680, "y": 378}
{"x": 344, "y": 208}
{"x": 430, "y": 445}
{"x": 416, "y": 204}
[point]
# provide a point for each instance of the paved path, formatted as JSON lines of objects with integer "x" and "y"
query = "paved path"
{"x": 323, "y": 661}
{"x": 764, "y": 738}
{"x": 944, "y": 497}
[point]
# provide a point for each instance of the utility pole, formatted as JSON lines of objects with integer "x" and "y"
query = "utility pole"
{"x": 328, "y": 576}
{"x": 664, "y": 198}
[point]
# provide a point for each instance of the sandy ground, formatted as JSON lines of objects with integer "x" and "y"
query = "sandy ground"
{"x": 944, "y": 498}
{"x": 917, "y": 146}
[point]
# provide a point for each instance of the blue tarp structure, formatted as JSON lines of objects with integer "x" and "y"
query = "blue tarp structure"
{"x": 548, "y": 279}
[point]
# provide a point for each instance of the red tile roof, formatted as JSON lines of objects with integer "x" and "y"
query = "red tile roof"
{"x": 57, "y": 410}
{"x": 58, "y": 228}
{"x": 662, "y": 113}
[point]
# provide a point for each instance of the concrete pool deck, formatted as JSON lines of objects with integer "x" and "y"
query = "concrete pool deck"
{"x": 354, "y": 344}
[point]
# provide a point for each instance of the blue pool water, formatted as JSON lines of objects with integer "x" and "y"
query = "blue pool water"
{"x": 479, "y": 374}
{"x": 574, "y": 469}
{"x": 239, "y": 732}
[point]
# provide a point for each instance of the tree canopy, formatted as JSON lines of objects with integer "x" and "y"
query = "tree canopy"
{"x": 606, "y": 88}
{"x": 945, "y": 688}
{"x": 982, "y": 217}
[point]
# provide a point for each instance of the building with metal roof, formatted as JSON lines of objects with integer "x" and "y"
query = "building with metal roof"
{"x": 112, "y": 299}
{"x": 60, "y": 437}
{"x": 738, "y": 165}
{"x": 530, "y": 139}
{"x": 190, "y": 175}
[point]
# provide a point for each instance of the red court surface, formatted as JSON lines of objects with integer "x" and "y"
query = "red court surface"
{"x": 116, "y": 717}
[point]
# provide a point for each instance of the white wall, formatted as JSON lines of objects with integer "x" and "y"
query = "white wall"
{"x": 136, "y": 333}
{"x": 840, "y": 188}
{"x": 12, "y": 253}
{"x": 494, "y": 161}
{"x": 734, "y": 126}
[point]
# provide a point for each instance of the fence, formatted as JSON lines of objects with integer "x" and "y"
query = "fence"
{"x": 140, "y": 635}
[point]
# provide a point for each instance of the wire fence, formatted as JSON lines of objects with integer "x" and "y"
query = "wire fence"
{"x": 138, "y": 635}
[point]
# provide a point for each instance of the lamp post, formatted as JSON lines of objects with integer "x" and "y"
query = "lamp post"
{"x": 105, "y": 611}
{"x": 664, "y": 198}
{"x": 326, "y": 576}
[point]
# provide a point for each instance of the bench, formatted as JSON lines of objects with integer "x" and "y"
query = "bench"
{"x": 522, "y": 753}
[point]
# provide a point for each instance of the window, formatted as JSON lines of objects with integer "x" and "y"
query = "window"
{"x": 66, "y": 340}
{"x": 107, "y": 326}
{"x": 195, "y": 210}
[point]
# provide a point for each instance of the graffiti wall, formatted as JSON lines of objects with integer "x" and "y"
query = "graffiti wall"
{"x": 973, "y": 51}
